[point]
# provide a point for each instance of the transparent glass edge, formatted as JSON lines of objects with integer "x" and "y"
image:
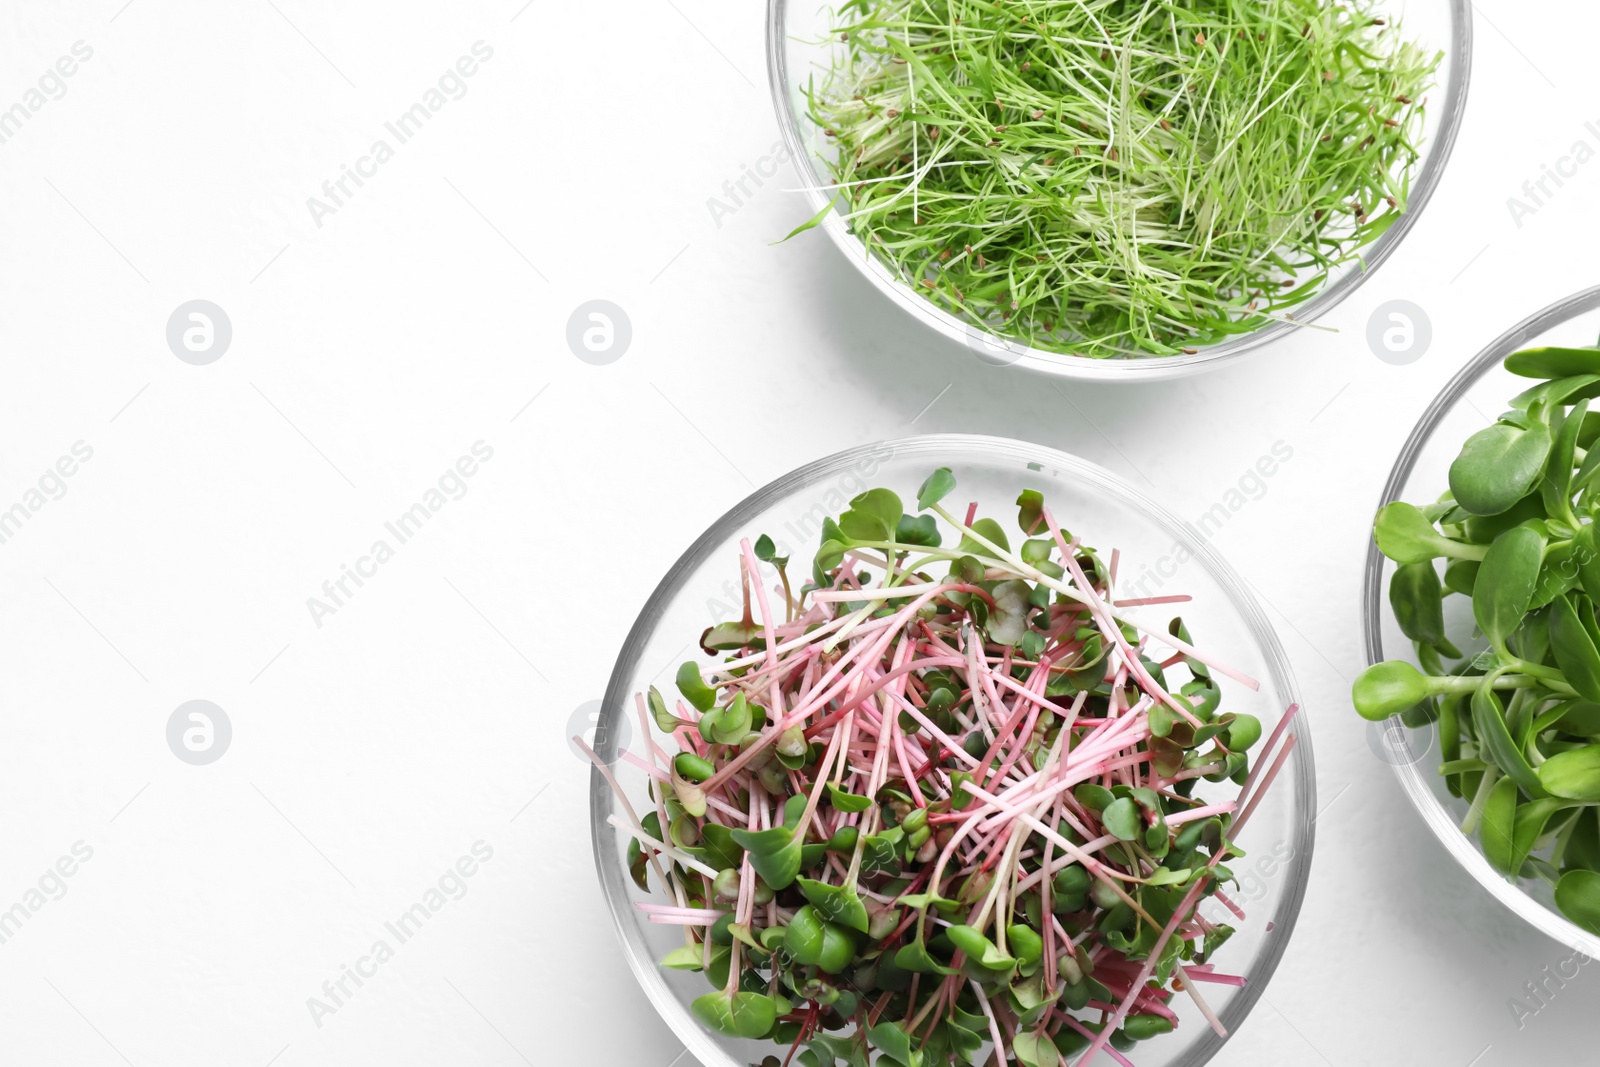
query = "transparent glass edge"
{"x": 1143, "y": 368}
{"x": 1284, "y": 918}
{"x": 1411, "y": 775}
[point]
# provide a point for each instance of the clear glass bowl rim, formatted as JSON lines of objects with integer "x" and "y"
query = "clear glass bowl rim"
{"x": 615, "y": 882}
{"x": 1416, "y": 775}
{"x": 1139, "y": 368}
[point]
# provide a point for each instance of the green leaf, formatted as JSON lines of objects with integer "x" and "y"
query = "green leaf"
{"x": 1555, "y": 488}
{"x": 1586, "y": 552}
{"x": 717, "y": 847}
{"x": 1417, "y": 600}
{"x": 691, "y": 767}
{"x": 1591, "y": 462}
{"x": 1162, "y": 876}
{"x": 1035, "y": 1049}
{"x": 919, "y": 901}
{"x": 921, "y": 530}
{"x": 666, "y": 721}
{"x": 1558, "y": 574}
{"x": 1030, "y": 510}
{"x": 1583, "y": 846}
{"x": 793, "y": 809}
{"x": 829, "y": 1048}
{"x": 684, "y": 958}
{"x": 1580, "y": 718}
{"x": 694, "y": 689}
{"x": 764, "y": 549}
{"x": 1573, "y": 641}
{"x": 881, "y": 852}
{"x": 687, "y": 793}
{"x": 1488, "y": 716}
{"x": 1578, "y": 897}
{"x": 803, "y": 936}
{"x": 960, "y": 798}
{"x": 873, "y": 516}
{"x": 835, "y": 903}
{"x": 813, "y": 221}
{"x": 1008, "y": 619}
{"x": 1505, "y": 583}
{"x": 849, "y": 803}
{"x": 1243, "y": 732}
{"x": 718, "y": 965}
{"x": 914, "y": 956}
{"x": 935, "y": 488}
{"x": 1405, "y": 535}
{"x": 1553, "y": 362}
{"x": 774, "y": 853}
{"x": 726, "y": 636}
{"x": 1094, "y": 797}
{"x": 892, "y": 1041}
{"x": 1497, "y": 829}
{"x": 1555, "y": 393}
{"x": 968, "y": 569}
{"x": 1531, "y": 822}
{"x": 1025, "y": 943}
{"x": 1144, "y": 1027}
{"x": 814, "y": 941}
{"x": 1037, "y": 550}
{"x": 979, "y": 948}
{"x": 990, "y": 531}
{"x": 1574, "y": 774}
{"x": 1069, "y": 1042}
{"x": 1460, "y": 574}
{"x": 1481, "y": 529}
{"x": 727, "y": 725}
{"x": 1499, "y": 465}
{"x": 1121, "y": 819}
{"x": 748, "y": 1015}
{"x": 1161, "y": 720}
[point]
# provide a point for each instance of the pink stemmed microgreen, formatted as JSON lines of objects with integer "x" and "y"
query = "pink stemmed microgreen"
{"x": 944, "y": 800}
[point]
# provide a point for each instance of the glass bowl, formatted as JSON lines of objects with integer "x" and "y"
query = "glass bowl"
{"x": 794, "y": 27}
{"x": 1158, "y": 549}
{"x": 1468, "y": 403}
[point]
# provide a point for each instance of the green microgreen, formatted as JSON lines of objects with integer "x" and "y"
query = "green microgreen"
{"x": 1118, "y": 178}
{"x": 1517, "y": 700}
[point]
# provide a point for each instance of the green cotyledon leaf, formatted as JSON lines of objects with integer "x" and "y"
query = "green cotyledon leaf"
{"x": 1553, "y": 362}
{"x": 835, "y": 903}
{"x": 1499, "y": 465}
{"x": 1417, "y": 599}
{"x": 847, "y": 802}
{"x": 775, "y": 854}
{"x": 1573, "y": 774}
{"x": 748, "y": 1015}
{"x": 1578, "y": 897}
{"x": 1406, "y": 535}
{"x": 1573, "y": 640}
{"x": 1488, "y": 716}
{"x": 935, "y": 488}
{"x": 873, "y": 516}
{"x": 1505, "y": 583}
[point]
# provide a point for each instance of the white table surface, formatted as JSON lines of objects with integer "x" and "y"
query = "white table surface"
{"x": 427, "y": 713}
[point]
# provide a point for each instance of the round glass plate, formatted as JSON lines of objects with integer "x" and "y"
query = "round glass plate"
{"x": 1421, "y": 472}
{"x": 1159, "y": 553}
{"x": 796, "y": 49}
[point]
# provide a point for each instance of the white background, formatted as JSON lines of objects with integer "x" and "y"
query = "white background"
{"x": 370, "y": 753}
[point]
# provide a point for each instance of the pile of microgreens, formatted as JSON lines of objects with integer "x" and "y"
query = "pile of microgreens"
{"x": 1106, "y": 177}
{"x": 920, "y": 819}
{"x": 1519, "y": 722}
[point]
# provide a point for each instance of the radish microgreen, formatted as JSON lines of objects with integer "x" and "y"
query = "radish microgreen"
{"x": 957, "y": 800}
